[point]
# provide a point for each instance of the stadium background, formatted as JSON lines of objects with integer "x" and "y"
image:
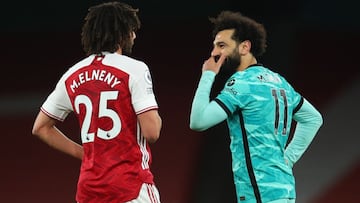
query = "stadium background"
{"x": 313, "y": 44}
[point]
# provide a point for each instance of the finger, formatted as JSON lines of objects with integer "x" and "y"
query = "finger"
{"x": 221, "y": 59}
{"x": 211, "y": 59}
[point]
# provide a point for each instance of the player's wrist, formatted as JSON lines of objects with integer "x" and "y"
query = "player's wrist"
{"x": 209, "y": 73}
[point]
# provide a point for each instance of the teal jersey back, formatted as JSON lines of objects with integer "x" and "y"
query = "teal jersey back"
{"x": 260, "y": 105}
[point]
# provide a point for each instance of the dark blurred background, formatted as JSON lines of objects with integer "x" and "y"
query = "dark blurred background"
{"x": 314, "y": 44}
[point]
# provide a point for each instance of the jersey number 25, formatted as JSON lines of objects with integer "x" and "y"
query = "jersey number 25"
{"x": 104, "y": 111}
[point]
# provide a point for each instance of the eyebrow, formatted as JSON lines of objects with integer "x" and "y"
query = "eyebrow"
{"x": 220, "y": 42}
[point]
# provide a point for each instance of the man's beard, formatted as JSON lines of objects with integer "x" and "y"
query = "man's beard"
{"x": 127, "y": 50}
{"x": 228, "y": 68}
{"x": 231, "y": 63}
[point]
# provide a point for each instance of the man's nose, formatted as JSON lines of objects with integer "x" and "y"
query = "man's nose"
{"x": 215, "y": 52}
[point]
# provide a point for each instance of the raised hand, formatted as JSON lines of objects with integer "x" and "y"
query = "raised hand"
{"x": 213, "y": 65}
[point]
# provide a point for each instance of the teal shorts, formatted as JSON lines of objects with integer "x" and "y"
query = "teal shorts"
{"x": 283, "y": 201}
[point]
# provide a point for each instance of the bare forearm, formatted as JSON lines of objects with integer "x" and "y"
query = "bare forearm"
{"x": 57, "y": 140}
{"x": 150, "y": 124}
{"x": 44, "y": 128}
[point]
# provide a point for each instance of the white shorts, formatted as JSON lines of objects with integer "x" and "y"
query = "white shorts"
{"x": 148, "y": 194}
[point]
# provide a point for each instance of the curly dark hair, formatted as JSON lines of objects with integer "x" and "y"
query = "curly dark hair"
{"x": 108, "y": 26}
{"x": 245, "y": 29}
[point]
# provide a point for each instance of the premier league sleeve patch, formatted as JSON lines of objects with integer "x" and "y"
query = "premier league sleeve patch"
{"x": 148, "y": 78}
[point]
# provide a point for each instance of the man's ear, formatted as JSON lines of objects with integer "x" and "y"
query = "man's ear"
{"x": 244, "y": 47}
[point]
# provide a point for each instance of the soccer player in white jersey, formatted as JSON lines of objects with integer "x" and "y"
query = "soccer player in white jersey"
{"x": 259, "y": 106}
{"x": 112, "y": 97}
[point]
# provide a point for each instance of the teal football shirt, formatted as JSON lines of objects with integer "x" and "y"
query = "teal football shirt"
{"x": 260, "y": 105}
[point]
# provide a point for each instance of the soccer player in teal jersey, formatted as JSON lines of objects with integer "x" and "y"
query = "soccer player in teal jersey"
{"x": 259, "y": 106}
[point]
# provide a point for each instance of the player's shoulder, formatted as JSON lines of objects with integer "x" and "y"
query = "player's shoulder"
{"x": 83, "y": 62}
{"x": 255, "y": 75}
{"x": 128, "y": 59}
{"x": 124, "y": 61}
{"x": 78, "y": 65}
{"x": 263, "y": 74}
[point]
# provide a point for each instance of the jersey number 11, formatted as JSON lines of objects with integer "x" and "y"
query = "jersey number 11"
{"x": 277, "y": 110}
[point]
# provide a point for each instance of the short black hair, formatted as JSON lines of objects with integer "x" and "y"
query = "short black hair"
{"x": 244, "y": 27}
{"x": 108, "y": 26}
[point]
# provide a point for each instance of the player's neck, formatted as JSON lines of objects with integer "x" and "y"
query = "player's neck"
{"x": 119, "y": 51}
{"x": 246, "y": 62}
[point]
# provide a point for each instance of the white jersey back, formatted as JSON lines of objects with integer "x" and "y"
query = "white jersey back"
{"x": 106, "y": 93}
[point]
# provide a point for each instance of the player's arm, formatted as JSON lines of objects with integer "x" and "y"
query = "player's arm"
{"x": 308, "y": 121}
{"x": 44, "y": 128}
{"x": 205, "y": 114}
{"x": 150, "y": 124}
